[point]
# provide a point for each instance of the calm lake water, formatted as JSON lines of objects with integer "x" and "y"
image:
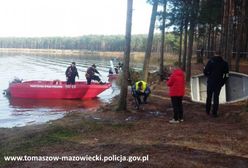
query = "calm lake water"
{"x": 20, "y": 112}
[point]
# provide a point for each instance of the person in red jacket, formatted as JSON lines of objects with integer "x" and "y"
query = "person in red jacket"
{"x": 176, "y": 84}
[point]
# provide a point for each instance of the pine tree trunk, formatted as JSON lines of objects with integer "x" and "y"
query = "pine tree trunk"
{"x": 161, "y": 67}
{"x": 246, "y": 30}
{"x": 185, "y": 43}
{"x": 191, "y": 37}
{"x": 246, "y": 45}
{"x": 209, "y": 40}
{"x": 245, "y": 48}
{"x": 149, "y": 41}
{"x": 224, "y": 28}
{"x": 240, "y": 35}
{"x": 180, "y": 45}
{"x": 190, "y": 49}
{"x": 215, "y": 40}
{"x": 229, "y": 42}
{"x": 122, "y": 104}
{"x": 212, "y": 43}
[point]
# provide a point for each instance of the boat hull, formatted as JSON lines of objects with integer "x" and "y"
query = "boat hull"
{"x": 236, "y": 88}
{"x": 56, "y": 90}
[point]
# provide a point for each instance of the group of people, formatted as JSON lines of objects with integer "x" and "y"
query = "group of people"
{"x": 71, "y": 73}
{"x": 117, "y": 69}
{"x": 217, "y": 73}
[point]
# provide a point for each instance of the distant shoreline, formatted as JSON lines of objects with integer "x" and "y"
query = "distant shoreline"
{"x": 135, "y": 57}
{"x": 62, "y": 52}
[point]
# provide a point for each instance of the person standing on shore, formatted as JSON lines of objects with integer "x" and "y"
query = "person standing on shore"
{"x": 176, "y": 84}
{"x": 217, "y": 73}
{"x": 71, "y": 73}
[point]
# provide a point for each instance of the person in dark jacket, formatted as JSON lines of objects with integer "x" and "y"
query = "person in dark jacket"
{"x": 90, "y": 75}
{"x": 176, "y": 84}
{"x": 139, "y": 89}
{"x": 71, "y": 73}
{"x": 217, "y": 73}
{"x": 111, "y": 71}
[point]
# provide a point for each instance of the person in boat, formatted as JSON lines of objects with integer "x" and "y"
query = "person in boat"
{"x": 90, "y": 75}
{"x": 120, "y": 65}
{"x": 176, "y": 84}
{"x": 111, "y": 71}
{"x": 116, "y": 70}
{"x": 139, "y": 89}
{"x": 217, "y": 73}
{"x": 71, "y": 73}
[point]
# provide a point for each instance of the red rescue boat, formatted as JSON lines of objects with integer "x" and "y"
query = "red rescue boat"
{"x": 56, "y": 90}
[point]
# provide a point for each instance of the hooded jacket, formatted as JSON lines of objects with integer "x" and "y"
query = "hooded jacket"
{"x": 216, "y": 71}
{"x": 176, "y": 83}
{"x": 71, "y": 72}
{"x": 91, "y": 72}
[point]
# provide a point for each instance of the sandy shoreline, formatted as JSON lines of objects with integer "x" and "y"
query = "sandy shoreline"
{"x": 59, "y": 52}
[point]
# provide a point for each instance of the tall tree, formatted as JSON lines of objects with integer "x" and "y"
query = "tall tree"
{"x": 230, "y": 33}
{"x": 180, "y": 45}
{"x": 161, "y": 67}
{"x": 193, "y": 18}
{"x": 227, "y": 32}
{"x": 122, "y": 104}
{"x": 149, "y": 40}
{"x": 186, "y": 22}
{"x": 241, "y": 25}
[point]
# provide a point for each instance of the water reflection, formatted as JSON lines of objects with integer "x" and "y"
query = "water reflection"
{"x": 53, "y": 104}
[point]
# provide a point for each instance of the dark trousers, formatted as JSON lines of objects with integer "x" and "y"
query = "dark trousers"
{"x": 177, "y": 107}
{"x": 212, "y": 91}
{"x": 137, "y": 94}
{"x": 94, "y": 77}
{"x": 70, "y": 80}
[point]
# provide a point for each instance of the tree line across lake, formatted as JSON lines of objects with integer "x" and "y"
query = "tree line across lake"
{"x": 90, "y": 42}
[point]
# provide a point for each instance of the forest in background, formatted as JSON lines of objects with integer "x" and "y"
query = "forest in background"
{"x": 91, "y": 42}
{"x": 209, "y": 26}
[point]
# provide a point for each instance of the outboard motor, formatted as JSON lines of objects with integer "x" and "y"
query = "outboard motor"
{"x": 6, "y": 92}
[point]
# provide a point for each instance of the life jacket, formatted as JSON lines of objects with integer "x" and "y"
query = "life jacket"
{"x": 143, "y": 87}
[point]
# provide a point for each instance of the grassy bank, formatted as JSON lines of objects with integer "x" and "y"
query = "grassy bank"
{"x": 61, "y": 132}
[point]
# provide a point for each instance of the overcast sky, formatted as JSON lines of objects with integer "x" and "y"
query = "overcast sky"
{"x": 37, "y": 18}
